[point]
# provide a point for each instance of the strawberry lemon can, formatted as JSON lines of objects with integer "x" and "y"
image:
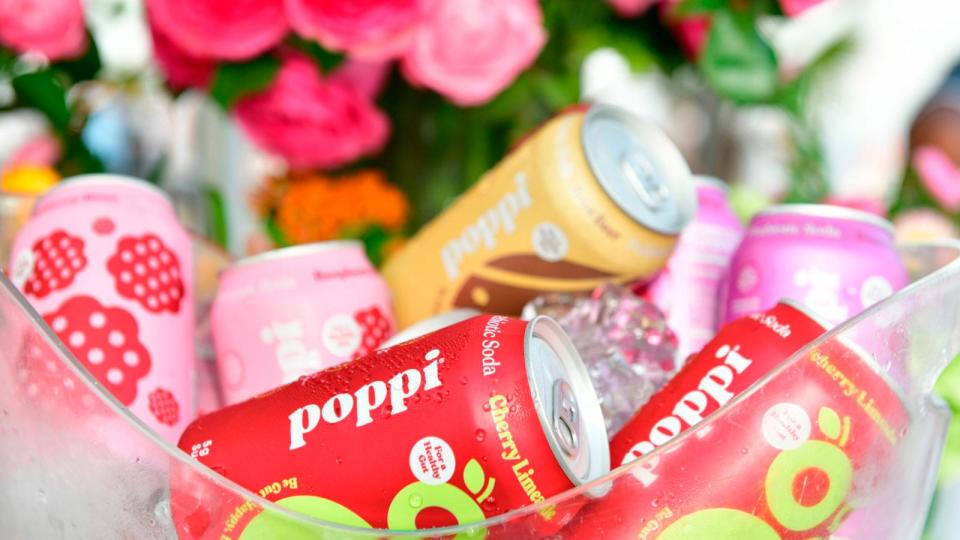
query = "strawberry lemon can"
{"x": 588, "y": 198}
{"x": 790, "y": 461}
{"x": 294, "y": 311}
{"x": 688, "y": 289}
{"x": 473, "y": 420}
{"x": 835, "y": 261}
{"x": 106, "y": 263}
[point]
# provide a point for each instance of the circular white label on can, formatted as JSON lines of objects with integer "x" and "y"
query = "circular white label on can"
{"x": 341, "y": 335}
{"x": 786, "y": 426}
{"x": 22, "y": 268}
{"x": 747, "y": 279}
{"x": 432, "y": 461}
{"x": 550, "y": 242}
{"x": 873, "y": 290}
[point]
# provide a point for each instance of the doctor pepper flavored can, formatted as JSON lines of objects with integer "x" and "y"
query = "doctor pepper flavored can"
{"x": 107, "y": 265}
{"x": 589, "y": 197}
{"x": 468, "y": 422}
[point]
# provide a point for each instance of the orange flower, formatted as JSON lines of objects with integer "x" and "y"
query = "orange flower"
{"x": 312, "y": 207}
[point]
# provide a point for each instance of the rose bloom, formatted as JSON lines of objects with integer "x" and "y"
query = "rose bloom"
{"x": 311, "y": 121}
{"x": 180, "y": 68}
{"x": 470, "y": 50}
{"x": 631, "y": 8}
{"x": 220, "y": 29}
{"x": 792, "y": 8}
{"x": 53, "y": 28}
{"x": 366, "y": 29}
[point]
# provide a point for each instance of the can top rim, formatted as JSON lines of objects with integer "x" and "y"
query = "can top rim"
{"x": 108, "y": 179}
{"x": 670, "y": 170}
{"x": 828, "y": 211}
{"x": 592, "y": 429}
{"x": 294, "y": 251}
{"x": 712, "y": 181}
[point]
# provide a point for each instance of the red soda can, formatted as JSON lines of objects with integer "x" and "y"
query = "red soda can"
{"x": 789, "y": 461}
{"x": 107, "y": 264}
{"x": 744, "y": 351}
{"x": 476, "y": 419}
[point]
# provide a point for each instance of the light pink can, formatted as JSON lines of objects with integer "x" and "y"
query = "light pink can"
{"x": 687, "y": 290}
{"x": 835, "y": 261}
{"x": 291, "y": 312}
{"x": 108, "y": 266}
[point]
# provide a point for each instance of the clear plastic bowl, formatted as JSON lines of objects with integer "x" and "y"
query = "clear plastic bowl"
{"x": 74, "y": 463}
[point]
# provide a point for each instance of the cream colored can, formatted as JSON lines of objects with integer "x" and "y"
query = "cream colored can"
{"x": 592, "y": 196}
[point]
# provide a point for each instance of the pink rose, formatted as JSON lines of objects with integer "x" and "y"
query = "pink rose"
{"x": 311, "y": 121}
{"x": 367, "y": 29}
{"x": 631, "y": 8}
{"x": 180, "y": 68}
{"x": 691, "y": 32}
{"x": 220, "y": 29}
{"x": 364, "y": 78}
{"x": 792, "y": 8}
{"x": 469, "y": 50}
{"x": 53, "y": 28}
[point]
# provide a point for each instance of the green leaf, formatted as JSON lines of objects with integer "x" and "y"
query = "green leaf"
{"x": 697, "y": 7}
{"x": 473, "y": 476}
{"x": 325, "y": 59}
{"x": 737, "y": 63}
{"x": 232, "y": 82}
{"x": 86, "y": 66}
{"x": 42, "y": 91}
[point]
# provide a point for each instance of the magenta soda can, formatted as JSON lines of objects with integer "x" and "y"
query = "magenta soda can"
{"x": 294, "y": 311}
{"x": 107, "y": 265}
{"x": 835, "y": 261}
{"x": 688, "y": 289}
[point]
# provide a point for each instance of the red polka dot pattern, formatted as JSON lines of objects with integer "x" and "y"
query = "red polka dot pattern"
{"x": 164, "y": 406}
{"x": 57, "y": 259}
{"x": 376, "y": 328}
{"x": 145, "y": 270}
{"x": 46, "y": 380}
{"x": 105, "y": 340}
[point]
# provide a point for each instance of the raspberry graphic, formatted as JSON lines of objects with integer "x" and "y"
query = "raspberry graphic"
{"x": 164, "y": 406}
{"x": 58, "y": 258}
{"x": 46, "y": 381}
{"x": 103, "y": 226}
{"x": 376, "y": 328}
{"x": 104, "y": 339}
{"x": 145, "y": 270}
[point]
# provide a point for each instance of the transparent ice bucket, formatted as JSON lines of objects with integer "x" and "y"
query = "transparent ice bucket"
{"x": 85, "y": 468}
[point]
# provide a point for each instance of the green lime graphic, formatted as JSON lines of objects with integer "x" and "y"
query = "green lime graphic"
{"x": 269, "y": 525}
{"x": 719, "y": 524}
{"x": 779, "y": 484}
{"x": 417, "y": 496}
{"x": 473, "y": 476}
{"x": 829, "y": 422}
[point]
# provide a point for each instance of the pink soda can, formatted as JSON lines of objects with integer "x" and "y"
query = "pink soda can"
{"x": 835, "y": 261}
{"x": 294, "y": 311}
{"x": 687, "y": 290}
{"x": 107, "y": 265}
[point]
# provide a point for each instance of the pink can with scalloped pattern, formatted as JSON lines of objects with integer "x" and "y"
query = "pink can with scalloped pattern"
{"x": 291, "y": 312}
{"x": 108, "y": 266}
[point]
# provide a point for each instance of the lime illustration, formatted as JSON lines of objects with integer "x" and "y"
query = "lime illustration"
{"x": 418, "y": 496}
{"x": 806, "y": 485}
{"x": 269, "y": 525}
{"x": 719, "y": 524}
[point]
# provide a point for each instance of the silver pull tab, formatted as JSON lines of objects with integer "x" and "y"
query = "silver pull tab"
{"x": 566, "y": 418}
{"x": 642, "y": 177}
